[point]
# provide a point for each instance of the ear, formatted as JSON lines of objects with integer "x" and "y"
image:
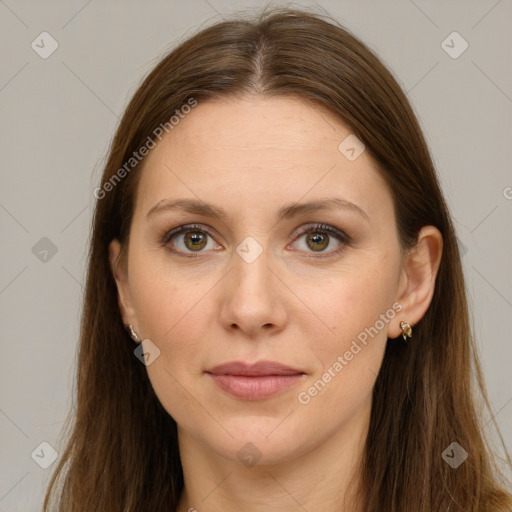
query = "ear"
{"x": 417, "y": 278}
{"x": 120, "y": 273}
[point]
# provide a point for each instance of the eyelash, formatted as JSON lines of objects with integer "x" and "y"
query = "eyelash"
{"x": 316, "y": 228}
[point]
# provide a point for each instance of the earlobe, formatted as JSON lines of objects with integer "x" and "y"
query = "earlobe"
{"x": 418, "y": 278}
{"x": 119, "y": 272}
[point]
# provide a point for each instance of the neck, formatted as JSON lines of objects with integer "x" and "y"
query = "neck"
{"x": 316, "y": 479}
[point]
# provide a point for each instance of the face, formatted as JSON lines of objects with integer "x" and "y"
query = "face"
{"x": 313, "y": 289}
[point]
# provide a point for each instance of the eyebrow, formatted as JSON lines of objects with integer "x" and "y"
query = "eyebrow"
{"x": 199, "y": 207}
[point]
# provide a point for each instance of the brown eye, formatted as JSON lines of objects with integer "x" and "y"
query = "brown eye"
{"x": 317, "y": 241}
{"x": 319, "y": 237}
{"x": 195, "y": 240}
{"x": 187, "y": 240}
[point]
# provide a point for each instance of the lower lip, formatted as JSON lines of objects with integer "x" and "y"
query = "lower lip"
{"x": 255, "y": 388}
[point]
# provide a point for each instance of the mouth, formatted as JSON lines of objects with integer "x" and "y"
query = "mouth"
{"x": 255, "y": 381}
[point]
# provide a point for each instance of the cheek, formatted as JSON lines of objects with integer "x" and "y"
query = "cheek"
{"x": 177, "y": 318}
{"x": 353, "y": 302}
{"x": 166, "y": 299}
{"x": 357, "y": 309}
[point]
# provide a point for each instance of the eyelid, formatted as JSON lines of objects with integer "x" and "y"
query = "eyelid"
{"x": 184, "y": 228}
{"x": 344, "y": 239}
{"x": 318, "y": 226}
{"x": 340, "y": 235}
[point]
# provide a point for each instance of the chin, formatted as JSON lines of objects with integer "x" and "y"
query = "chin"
{"x": 258, "y": 440}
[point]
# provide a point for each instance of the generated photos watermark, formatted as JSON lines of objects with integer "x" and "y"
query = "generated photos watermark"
{"x": 304, "y": 397}
{"x": 138, "y": 156}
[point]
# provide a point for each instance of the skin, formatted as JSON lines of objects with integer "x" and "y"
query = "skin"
{"x": 250, "y": 156}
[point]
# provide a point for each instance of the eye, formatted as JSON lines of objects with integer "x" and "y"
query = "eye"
{"x": 190, "y": 239}
{"x": 319, "y": 237}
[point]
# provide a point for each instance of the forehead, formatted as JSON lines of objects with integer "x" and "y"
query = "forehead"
{"x": 255, "y": 122}
{"x": 258, "y": 151}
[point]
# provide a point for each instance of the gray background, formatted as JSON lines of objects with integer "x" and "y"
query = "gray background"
{"x": 57, "y": 119}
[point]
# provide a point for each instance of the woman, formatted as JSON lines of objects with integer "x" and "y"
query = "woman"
{"x": 275, "y": 315}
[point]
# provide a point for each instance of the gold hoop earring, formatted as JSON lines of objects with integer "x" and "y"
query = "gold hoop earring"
{"x": 406, "y": 331}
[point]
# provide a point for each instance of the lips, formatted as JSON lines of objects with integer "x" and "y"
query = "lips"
{"x": 261, "y": 368}
{"x": 255, "y": 381}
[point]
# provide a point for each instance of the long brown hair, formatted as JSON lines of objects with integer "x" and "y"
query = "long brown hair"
{"x": 122, "y": 452}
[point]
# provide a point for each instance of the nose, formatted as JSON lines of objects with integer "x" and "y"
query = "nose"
{"x": 254, "y": 297}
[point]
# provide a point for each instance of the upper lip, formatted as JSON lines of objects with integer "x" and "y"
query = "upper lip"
{"x": 257, "y": 369}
